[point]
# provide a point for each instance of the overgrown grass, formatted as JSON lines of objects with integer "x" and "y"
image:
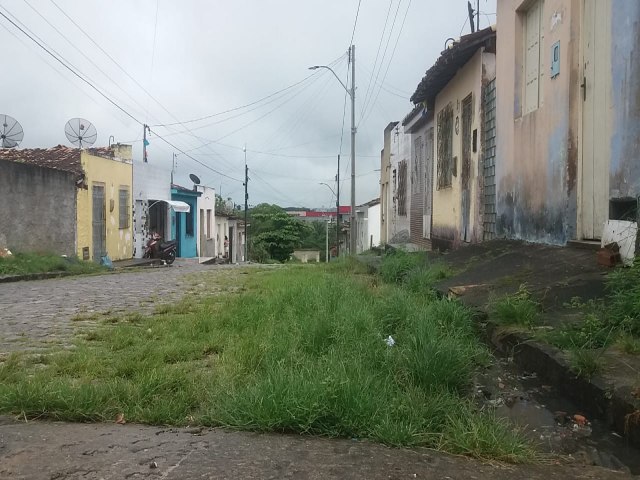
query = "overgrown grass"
{"x": 586, "y": 362}
{"x": 412, "y": 270}
{"x": 623, "y": 288}
{"x": 517, "y": 309}
{"x": 300, "y": 350}
{"x": 26, "y": 263}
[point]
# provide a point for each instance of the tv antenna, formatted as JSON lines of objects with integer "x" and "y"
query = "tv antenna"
{"x": 80, "y": 132}
{"x": 11, "y": 133}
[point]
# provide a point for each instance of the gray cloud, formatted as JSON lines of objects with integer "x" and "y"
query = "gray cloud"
{"x": 212, "y": 55}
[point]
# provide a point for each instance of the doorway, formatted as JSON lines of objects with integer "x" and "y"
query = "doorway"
{"x": 99, "y": 222}
{"x": 596, "y": 123}
{"x": 465, "y": 171}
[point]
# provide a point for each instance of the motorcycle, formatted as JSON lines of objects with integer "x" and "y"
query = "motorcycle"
{"x": 156, "y": 248}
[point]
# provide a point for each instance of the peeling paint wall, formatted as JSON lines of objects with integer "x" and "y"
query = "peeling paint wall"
{"x": 625, "y": 141}
{"x": 556, "y": 178}
{"x": 537, "y": 152}
{"x": 448, "y": 201}
{"x": 150, "y": 184}
{"x": 399, "y": 186}
{"x": 38, "y": 209}
{"x": 386, "y": 195}
{"x": 113, "y": 173}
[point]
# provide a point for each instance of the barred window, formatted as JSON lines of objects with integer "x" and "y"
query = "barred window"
{"x": 445, "y": 147}
{"x": 402, "y": 188}
{"x": 124, "y": 207}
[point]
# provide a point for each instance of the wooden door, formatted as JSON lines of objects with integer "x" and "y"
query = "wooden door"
{"x": 595, "y": 88}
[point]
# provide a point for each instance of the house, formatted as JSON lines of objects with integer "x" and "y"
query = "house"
{"x": 39, "y": 206}
{"x": 394, "y": 186}
{"x": 385, "y": 184}
{"x": 368, "y": 225}
{"x": 418, "y": 126}
{"x": 152, "y": 205}
{"x": 184, "y": 224}
{"x": 237, "y": 240}
{"x": 568, "y": 118}
{"x": 206, "y": 204}
{"x": 103, "y": 181}
{"x": 454, "y": 90}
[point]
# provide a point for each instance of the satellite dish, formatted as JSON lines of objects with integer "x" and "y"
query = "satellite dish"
{"x": 194, "y": 178}
{"x": 11, "y": 133}
{"x": 81, "y": 132}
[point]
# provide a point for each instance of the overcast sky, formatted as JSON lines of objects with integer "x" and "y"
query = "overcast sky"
{"x": 167, "y": 62}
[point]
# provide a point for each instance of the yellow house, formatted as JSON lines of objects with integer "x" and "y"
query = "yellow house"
{"x": 101, "y": 186}
{"x": 104, "y": 213}
{"x": 454, "y": 89}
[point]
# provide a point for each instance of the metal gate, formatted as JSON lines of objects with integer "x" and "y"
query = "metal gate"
{"x": 489, "y": 154}
{"x": 99, "y": 222}
{"x": 465, "y": 173}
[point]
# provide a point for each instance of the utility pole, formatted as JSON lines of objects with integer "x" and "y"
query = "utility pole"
{"x": 352, "y": 56}
{"x": 338, "y": 210}
{"x": 145, "y": 142}
{"x": 478, "y": 15}
{"x": 246, "y": 206}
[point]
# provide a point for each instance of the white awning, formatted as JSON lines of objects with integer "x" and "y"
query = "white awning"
{"x": 178, "y": 206}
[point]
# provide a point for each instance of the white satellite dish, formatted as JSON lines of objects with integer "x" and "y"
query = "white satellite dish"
{"x": 11, "y": 133}
{"x": 81, "y": 132}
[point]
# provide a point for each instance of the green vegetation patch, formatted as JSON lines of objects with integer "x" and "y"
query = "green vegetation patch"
{"x": 300, "y": 349}
{"x": 29, "y": 263}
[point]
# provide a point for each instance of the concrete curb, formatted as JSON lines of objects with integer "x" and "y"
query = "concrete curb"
{"x": 33, "y": 276}
{"x": 598, "y": 398}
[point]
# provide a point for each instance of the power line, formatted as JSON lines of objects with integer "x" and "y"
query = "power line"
{"x": 375, "y": 62}
{"x": 119, "y": 66}
{"x": 384, "y": 54}
{"x": 71, "y": 69}
{"x": 59, "y": 60}
{"x": 392, "y": 55}
{"x": 355, "y": 23}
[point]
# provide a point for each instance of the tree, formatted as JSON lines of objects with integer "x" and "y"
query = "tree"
{"x": 274, "y": 233}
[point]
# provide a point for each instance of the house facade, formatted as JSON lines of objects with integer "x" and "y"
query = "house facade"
{"x": 418, "y": 126}
{"x": 386, "y": 195}
{"x": 206, "y": 239}
{"x": 453, "y": 88}
{"x": 102, "y": 178}
{"x": 152, "y": 205}
{"x": 184, "y": 224}
{"x": 568, "y": 117}
{"x": 39, "y": 207}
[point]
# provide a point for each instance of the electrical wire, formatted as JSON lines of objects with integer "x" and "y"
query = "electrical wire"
{"x": 353, "y": 33}
{"x": 70, "y": 68}
{"x": 391, "y": 57}
{"x": 375, "y": 62}
{"x": 384, "y": 54}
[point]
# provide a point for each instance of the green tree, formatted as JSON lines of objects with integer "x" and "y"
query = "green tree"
{"x": 274, "y": 233}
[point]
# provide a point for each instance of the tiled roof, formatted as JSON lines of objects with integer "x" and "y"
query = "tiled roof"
{"x": 57, "y": 158}
{"x": 449, "y": 62}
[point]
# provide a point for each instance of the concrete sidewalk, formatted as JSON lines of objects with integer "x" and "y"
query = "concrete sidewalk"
{"x": 47, "y": 450}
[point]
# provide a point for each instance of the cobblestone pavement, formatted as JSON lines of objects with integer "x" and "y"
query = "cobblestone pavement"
{"x": 38, "y": 312}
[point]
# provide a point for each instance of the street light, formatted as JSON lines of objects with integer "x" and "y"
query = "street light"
{"x": 352, "y": 94}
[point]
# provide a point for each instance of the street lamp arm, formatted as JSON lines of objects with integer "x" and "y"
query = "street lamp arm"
{"x": 329, "y": 187}
{"x": 315, "y": 67}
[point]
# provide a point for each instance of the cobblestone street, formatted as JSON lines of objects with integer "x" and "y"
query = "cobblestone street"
{"x": 37, "y": 312}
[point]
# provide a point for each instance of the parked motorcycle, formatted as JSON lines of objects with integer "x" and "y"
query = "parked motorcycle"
{"x": 156, "y": 248}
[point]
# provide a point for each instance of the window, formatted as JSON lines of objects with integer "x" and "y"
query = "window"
{"x": 445, "y": 147}
{"x": 402, "y": 188}
{"x": 533, "y": 60}
{"x": 189, "y": 222}
{"x": 124, "y": 207}
{"x": 208, "y": 223}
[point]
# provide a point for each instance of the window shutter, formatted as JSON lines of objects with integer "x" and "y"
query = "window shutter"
{"x": 532, "y": 58}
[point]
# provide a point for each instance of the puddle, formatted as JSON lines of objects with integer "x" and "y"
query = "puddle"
{"x": 555, "y": 424}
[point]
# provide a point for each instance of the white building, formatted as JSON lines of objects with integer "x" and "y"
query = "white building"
{"x": 207, "y": 235}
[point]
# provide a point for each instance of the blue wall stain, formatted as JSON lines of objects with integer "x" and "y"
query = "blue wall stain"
{"x": 625, "y": 58}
